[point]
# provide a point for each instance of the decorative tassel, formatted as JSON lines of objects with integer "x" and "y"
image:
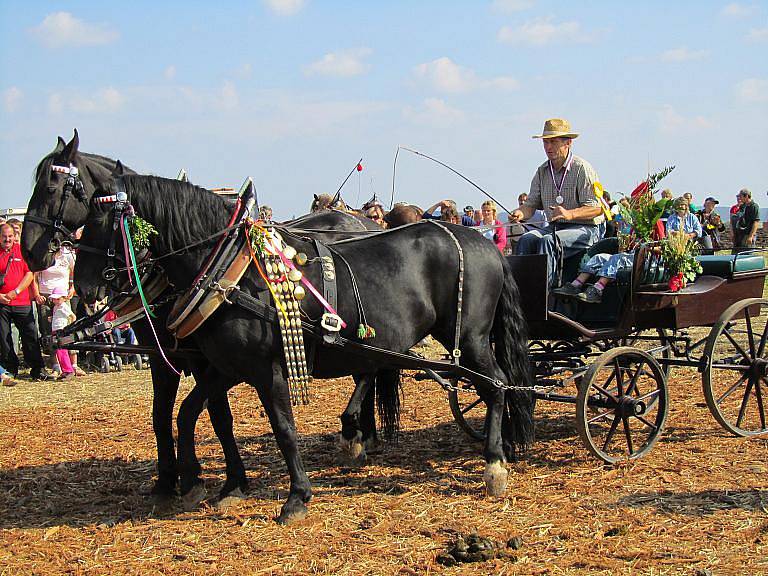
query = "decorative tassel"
{"x": 365, "y": 332}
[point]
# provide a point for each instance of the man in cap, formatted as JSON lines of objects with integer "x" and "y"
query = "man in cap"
{"x": 712, "y": 225}
{"x": 564, "y": 188}
{"x": 747, "y": 222}
{"x": 467, "y": 219}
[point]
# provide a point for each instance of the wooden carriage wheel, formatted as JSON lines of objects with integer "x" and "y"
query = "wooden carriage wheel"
{"x": 735, "y": 379}
{"x": 468, "y": 411}
{"x": 621, "y": 405}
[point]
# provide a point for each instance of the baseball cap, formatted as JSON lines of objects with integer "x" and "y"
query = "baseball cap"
{"x": 468, "y": 208}
{"x": 710, "y": 199}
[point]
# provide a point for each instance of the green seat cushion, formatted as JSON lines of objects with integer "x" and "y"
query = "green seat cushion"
{"x": 725, "y": 265}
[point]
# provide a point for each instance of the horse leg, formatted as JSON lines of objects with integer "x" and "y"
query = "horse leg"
{"x": 192, "y": 487}
{"x": 480, "y": 359}
{"x": 277, "y": 405}
{"x": 351, "y": 439}
{"x": 165, "y": 385}
{"x": 368, "y": 421}
{"x": 221, "y": 419}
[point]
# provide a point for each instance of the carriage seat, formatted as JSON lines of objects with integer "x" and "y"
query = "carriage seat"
{"x": 726, "y": 265}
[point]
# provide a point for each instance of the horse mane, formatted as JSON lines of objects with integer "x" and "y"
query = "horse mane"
{"x": 187, "y": 213}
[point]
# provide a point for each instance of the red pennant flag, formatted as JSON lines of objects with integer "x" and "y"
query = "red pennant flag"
{"x": 641, "y": 189}
{"x": 360, "y": 167}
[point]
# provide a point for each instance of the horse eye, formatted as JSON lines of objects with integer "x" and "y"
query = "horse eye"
{"x": 52, "y": 189}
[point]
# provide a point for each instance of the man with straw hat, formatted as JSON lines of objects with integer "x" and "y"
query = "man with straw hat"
{"x": 564, "y": 187}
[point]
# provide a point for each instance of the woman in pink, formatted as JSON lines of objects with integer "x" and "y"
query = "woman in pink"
{"x": 58, "y": 277}
{"x": 497, "y": 234}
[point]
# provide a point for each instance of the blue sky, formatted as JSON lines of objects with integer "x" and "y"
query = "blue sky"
{"x": 293, "y": 92}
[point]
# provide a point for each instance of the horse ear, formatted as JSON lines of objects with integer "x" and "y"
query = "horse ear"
{"x": 315, "y": 195}
{"x": 60, "y": 143}
{"x": 71, "y": 149}
{"x": 119, "y": 169}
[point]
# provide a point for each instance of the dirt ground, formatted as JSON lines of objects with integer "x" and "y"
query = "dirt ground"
{"x": 77, "y": 460}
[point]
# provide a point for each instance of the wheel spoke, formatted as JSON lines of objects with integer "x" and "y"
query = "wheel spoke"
{"x": 633, "y": 382}
{"x": 628, "y": 435}
{"x": 471, "y": 406}
{"x": 736, "y": 345}
{"x": 600, "y": 416}
{"x": 750, "y": 334}
{"x": 619, "y": 382}
{"x": 763, "y": 337}
{"x": 744, "y": 402}
{"x": 605, "y": 392}
{"x": 611, "y": 432}
{"x": 653, "y": 427}
{"x": 730, "y": 390}
{"x": 759, "y": 396}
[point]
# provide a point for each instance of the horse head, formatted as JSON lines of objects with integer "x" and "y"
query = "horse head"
{"x": 65, "y": 180}
{"x": 403, "y": 214}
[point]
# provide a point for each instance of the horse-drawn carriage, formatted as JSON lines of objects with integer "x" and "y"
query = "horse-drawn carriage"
{"x": 429, "y": 278}
{"x": 618, "y": 354}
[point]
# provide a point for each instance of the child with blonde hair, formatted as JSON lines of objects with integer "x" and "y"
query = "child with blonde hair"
{"x": 62, "y": 317}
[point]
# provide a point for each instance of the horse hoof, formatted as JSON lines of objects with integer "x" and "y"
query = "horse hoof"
{"x": 161, "y": 500}
{"x": 495, "y": 477}
{"x": 191, "y": 500}
{"x": 231, "y": 499}
{"x": 295, "y": 514}
{"x": 354, "y": 449}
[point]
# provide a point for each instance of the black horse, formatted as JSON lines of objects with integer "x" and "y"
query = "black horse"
{"x": 59, "y": 204}
{"x": 407, "y": 284}
{"x": 55, "y": 211}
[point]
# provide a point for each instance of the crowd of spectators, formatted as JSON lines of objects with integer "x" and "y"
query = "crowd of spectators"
{"x": 34, "y": 304}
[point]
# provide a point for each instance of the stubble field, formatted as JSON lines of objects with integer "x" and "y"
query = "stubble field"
{"x": 77, "y": 460}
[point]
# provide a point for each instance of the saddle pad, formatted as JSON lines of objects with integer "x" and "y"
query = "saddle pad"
{"x": 214, "y": 298}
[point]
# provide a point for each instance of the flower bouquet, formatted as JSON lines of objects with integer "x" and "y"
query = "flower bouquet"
{"x": 679, "y": 252}
{"x": 641, "y": 213}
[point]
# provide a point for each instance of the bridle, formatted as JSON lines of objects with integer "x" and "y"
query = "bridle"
{"x": 120, "y": 209}
{"x": 73, "y": 187}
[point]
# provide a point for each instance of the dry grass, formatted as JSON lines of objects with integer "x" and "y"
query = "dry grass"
{"x": 77, "y": 458}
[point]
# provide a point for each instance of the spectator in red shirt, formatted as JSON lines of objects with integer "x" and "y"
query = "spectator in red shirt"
{"x": 15, "y": 306}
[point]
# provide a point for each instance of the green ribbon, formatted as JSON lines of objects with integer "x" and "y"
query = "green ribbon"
{"x": 135, "y": 268}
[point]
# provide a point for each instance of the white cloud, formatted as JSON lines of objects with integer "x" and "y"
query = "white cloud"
{"x": 245, "y": 71}
{"x": 63, "y": 29}
{"x": 170, "y": 72}
{"x": 541, "y": 32}
{"x": 758, "y": 35}
{"x": 285, "y": 7}
{"x": 682, "y": 54}
{"x": 753, "y": 90}
{"x": 228, "y": 97}
{"x": 444, "y": 75}
{"x": 344, "y": 63}
{"x": 672, "y": 121}
{"x": 105, "y": 101}
{"x": 510, "y": 6}
{"x": 737, "y": 10}
{"x": 434, "y": 112}
{"x": 12, "y": 98}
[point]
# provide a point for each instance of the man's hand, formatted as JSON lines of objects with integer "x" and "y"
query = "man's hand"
{"x": 560, "y": 213}
{"x": 750, "y": 240}
{"x": 516, "y": 216}
{"x": 5, "y": 299}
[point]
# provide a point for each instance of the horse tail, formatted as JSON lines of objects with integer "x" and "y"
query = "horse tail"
{"x": 511, "y": 348}
{"x": 388, "y": 391}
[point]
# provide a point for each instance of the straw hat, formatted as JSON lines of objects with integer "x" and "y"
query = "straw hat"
{"x": 557, "y": 128}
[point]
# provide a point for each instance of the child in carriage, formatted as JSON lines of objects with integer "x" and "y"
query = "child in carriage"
{"x": 607, "y": 266}
{"x": 61, "y": 318}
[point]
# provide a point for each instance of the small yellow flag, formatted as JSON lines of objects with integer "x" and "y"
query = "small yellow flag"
{"x": 598, "y": 188}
